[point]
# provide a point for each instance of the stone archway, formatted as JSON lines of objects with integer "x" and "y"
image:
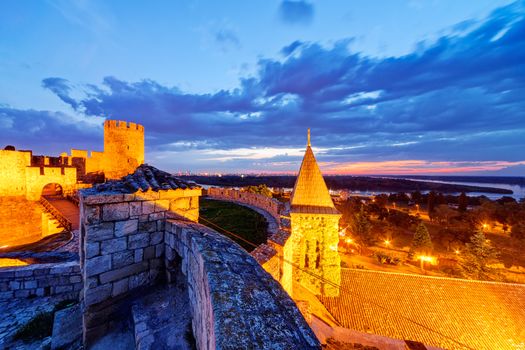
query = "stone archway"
{"x": 52, "y": 189}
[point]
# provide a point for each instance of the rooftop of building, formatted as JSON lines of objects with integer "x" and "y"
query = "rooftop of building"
{"x": 310, "y": 194}
{"x": 445, "y": 312}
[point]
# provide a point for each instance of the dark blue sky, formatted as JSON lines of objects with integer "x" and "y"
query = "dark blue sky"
{"x": 386, "y": 86}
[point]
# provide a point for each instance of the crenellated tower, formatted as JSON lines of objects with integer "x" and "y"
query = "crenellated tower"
{"x": 312, "y": 246}
{"x": 123, "y": 148}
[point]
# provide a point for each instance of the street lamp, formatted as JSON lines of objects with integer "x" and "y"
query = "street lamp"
{"x": 387, "y": 243}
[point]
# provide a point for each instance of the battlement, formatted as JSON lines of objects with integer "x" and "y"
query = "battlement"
{"x": 122, "y": 125}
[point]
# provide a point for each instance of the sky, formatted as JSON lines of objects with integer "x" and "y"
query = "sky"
{"x": 387, "y": 87}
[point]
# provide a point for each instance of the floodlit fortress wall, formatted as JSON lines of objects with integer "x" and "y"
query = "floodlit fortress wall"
{"x": 25, "y": 174}
{"x": 21, "y": 174}
{"x": 123, "y": 148}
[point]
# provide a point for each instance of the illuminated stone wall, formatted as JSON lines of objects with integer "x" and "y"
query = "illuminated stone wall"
{"x": 123, "y": 148}
{"x": 17, "y": 229}
{"x": 37, "y": 178}
{"x": 12, "y": 172}
{"x": 313, "y": 247}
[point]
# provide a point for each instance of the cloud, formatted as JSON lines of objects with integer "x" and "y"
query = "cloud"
{"x": 227, "y": 38}
{"x": 459, "y": 98}
{"x": 296, "y": 12}
{"x": 61, "y": 88}
{"x": 47, "y": 132}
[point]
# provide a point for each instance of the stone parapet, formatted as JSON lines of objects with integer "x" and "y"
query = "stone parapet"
{"x": 235, "y": 304}
{"x": 272, "y": 206}
{"x": 40, "y": 280}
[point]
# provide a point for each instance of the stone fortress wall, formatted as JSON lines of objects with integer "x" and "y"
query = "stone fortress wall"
{"x": 270, "y": 255}
{"x": 123, "y": 148}
{"x": 62, "y": 280}
{"x": 131, "y": 241}
{"x": 24, "y": 174}
{"x": 270, "y": 205}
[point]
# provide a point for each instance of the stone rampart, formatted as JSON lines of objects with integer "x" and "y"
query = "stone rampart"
{"x": 62, "y": 279}
{"x": 272, "y": 206}
{"x": 270, "y": 255}
{"x": 122, "y": 242}
{"x": 235, "y": 304}
{"x": 133, "y": 241}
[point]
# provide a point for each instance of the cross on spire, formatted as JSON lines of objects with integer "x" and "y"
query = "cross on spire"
{"x": 309, "y": 144}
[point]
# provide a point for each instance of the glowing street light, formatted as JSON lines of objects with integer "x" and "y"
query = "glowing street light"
{"x": 425, "y": 258}
{"x": 457, "y": 252}
{"x": 349, "y": 240}
{"x": 387, "y": 243}
{"x": 485, "y": 226}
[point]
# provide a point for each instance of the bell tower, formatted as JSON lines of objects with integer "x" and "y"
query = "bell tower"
{"x": 312, "y": 246}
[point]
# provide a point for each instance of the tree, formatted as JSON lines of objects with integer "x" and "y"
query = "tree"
{"x": 431, "y": 202}
{"x": 476, "y": 257}
{"x": 261, "y": 189}
{"x": 416, "y": 197}
{"x": 444, "y": 215}
{"x": 462, "y": 202}
{"x": 421, "y": 243}
{"x": 518, "y": 231}
{"x": 361, "y": 227}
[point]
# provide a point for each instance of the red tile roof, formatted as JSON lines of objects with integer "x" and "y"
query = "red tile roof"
{"x": 437, "y": 311}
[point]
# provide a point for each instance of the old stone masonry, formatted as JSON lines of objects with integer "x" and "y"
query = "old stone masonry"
{"x": 141, "y": 232}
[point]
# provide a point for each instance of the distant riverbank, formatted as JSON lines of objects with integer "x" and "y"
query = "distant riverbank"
{"x": 360, "y": 183}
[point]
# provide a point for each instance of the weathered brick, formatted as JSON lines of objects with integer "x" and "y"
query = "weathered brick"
{"x": 156, "y": 238}
{"x": 162, "y": 205}
{"x": 157, "y": 216}
{"x": 97, "y": 265}
{"x": 139, "y": 255}
{"x": 148, "y": 207}
{"x": 123, "y": 272}
{"x": 97, "y": 294}
{"x": 100, "y": 232}
{"x": 92, "y": 249}
{"x": 26, "y": 272}
{"x": 63, "y": 289}
{"x": 140, "y": 240}
{"x": 113, "y": 245}
{"x": 135, "y": 208}
{"x": 14, "y": 285}
{"x": 91, "y": 214}
{"x": 30, "y": 284}
{"x": 138, "y": 280}
{"x": 149, "y": 253}
{"x": 115, "y": 211}
{"x": 123, "y": 258}
{"x": 22, "y": 293}
{"x": 123, "y": 228}
{"x": 148, "y": 226}
{"x": 120, "y": 287}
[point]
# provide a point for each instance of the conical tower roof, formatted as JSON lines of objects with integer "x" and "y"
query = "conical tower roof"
{"x": 310, "y": 193}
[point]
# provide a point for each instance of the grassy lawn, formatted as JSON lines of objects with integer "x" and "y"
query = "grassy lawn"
{"x": 234, "y": 218}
